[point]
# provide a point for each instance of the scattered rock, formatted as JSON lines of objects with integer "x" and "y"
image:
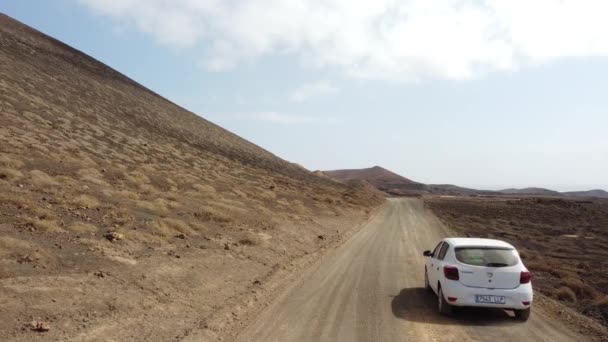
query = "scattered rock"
{"x": 25, "y": 258}
{"x": 114, "y": 236}
{"x": 40, "y": 325}
{"x": 321, "y": 237}
{"x": 181, "y": 236}
{"x": 246, "y": 242}
{"x": 99, "y": 274}
{"x": 257, "y": 282}
{"x": 226, "y": 247}
{"x": 173, "y": 254}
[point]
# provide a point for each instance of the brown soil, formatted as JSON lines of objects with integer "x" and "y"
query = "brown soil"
{"x": 125, "y": 217}
{"x": 562, "y": 241}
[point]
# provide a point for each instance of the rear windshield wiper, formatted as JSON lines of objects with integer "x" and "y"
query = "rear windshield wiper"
{"x": 496, "y": 264}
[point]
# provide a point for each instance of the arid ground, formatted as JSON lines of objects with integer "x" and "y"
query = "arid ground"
{"x": 371, "y": 288}
{"x": 127, "y": 218}
{"x": 563, "y": 241}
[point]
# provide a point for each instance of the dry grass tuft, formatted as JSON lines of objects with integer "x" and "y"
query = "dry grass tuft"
{"x": 86, "y": 201}
{"x": 137, "y": 178}
{"x": 207, "y": 213}
{"x": 565, "y": 293}
{"x": 157, "y": 207}
{"x": 10, "y": 174}
{"x": 9, "y": 245}
{"x": 42, "y": 179}
{"x": 9, "y": 162}
{"x": 178, "y": 226}
{"x": 581, "y": 289}
{"x": 204, "y": 188}
{"x": 50, "y": 226}
{"x": 93, "y": 176}
{"x": 44, "y": 213}
{"x": 120, "y": 194}
{"x": 82, "y": 227}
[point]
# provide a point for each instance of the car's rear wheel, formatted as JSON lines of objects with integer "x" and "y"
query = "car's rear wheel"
{"x": 444, "y": 307}
{"x": 522, "y": 315}
{"x": 427, "y": 286}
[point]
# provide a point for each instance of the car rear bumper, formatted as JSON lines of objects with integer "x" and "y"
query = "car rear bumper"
{"x": 466, "y": 296}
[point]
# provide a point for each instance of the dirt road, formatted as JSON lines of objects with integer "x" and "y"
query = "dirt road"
{"x": 371, "y": 289}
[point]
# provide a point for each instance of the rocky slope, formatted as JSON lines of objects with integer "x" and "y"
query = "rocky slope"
{"x": 126, "y": 217}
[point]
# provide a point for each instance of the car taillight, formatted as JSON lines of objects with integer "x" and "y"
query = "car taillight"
{"x": 525, "y": 277}
{"x": 450, "y": 272}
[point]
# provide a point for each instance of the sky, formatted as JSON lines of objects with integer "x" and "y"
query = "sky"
{"x": 485, "y": 94}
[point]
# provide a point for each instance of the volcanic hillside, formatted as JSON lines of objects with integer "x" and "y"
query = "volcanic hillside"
{"x": 381, "y": 178}
{"x": 127, "y": 216}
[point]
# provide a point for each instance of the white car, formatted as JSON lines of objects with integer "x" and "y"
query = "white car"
{"x": 478, "y": 272}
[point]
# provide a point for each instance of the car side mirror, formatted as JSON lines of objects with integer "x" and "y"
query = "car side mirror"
{"x": 427, "y": 253}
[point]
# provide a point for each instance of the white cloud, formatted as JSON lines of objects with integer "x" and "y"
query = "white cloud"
{"x": 308, "y": 90}
{"x": 277, "y": 118}
{"x": 401, "y": 40}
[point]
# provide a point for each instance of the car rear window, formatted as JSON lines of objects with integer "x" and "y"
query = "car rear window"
{"x": 487, "y": 256}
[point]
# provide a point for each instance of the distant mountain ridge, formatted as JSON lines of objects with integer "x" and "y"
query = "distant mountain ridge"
{"x": 395, "y": 184}
{"x": 537, "y": 191}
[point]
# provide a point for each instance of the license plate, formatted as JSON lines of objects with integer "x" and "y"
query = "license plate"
{"x": 489, "y": 299}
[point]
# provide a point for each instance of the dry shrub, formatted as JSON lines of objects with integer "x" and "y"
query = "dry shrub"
{"x": 172, "y": 196}
{"x": 267, "y": 194}
{"x": 156, "y": 207}
{"x": 10, "y": 174}
{"x": 565, "y": 293}
{"x": 283, "y": 202}
{"x": 86, "y": 201}
{"x": 42, "y": 179}
{"x": 137, "y": 178}
{"x": 10, "y": 245}
{"x": 49, "y": 226}
{"x": 121, "y": 216}
{"x": 231, "y": 206}
{"x": 171, "y": 227}
{"x": 12, "y": 199}
{"x": 122, "y": 194}
{"x": 82, "y": 227}
{"x": 581, "y": 289}
{"x": 9, "y": 162}
{"x": 93, "y": 176}
{"x": 299, "y": 207}
{"x": 204, "y": 188}
{"x": 178, "y": 225}
{"x": 43, "y": 213}
{"x": 208, "y": 213}
{"x": 147, "y": 189}
{"x": 602, "y": 302}
{"x": 538, "y": 266}
{"x": 262, "y": 210}
{"x": 173, "y": 204}
{"x": 239, "y": 193}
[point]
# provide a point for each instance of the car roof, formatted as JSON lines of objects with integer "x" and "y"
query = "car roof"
{"x": 477, "y": 242}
